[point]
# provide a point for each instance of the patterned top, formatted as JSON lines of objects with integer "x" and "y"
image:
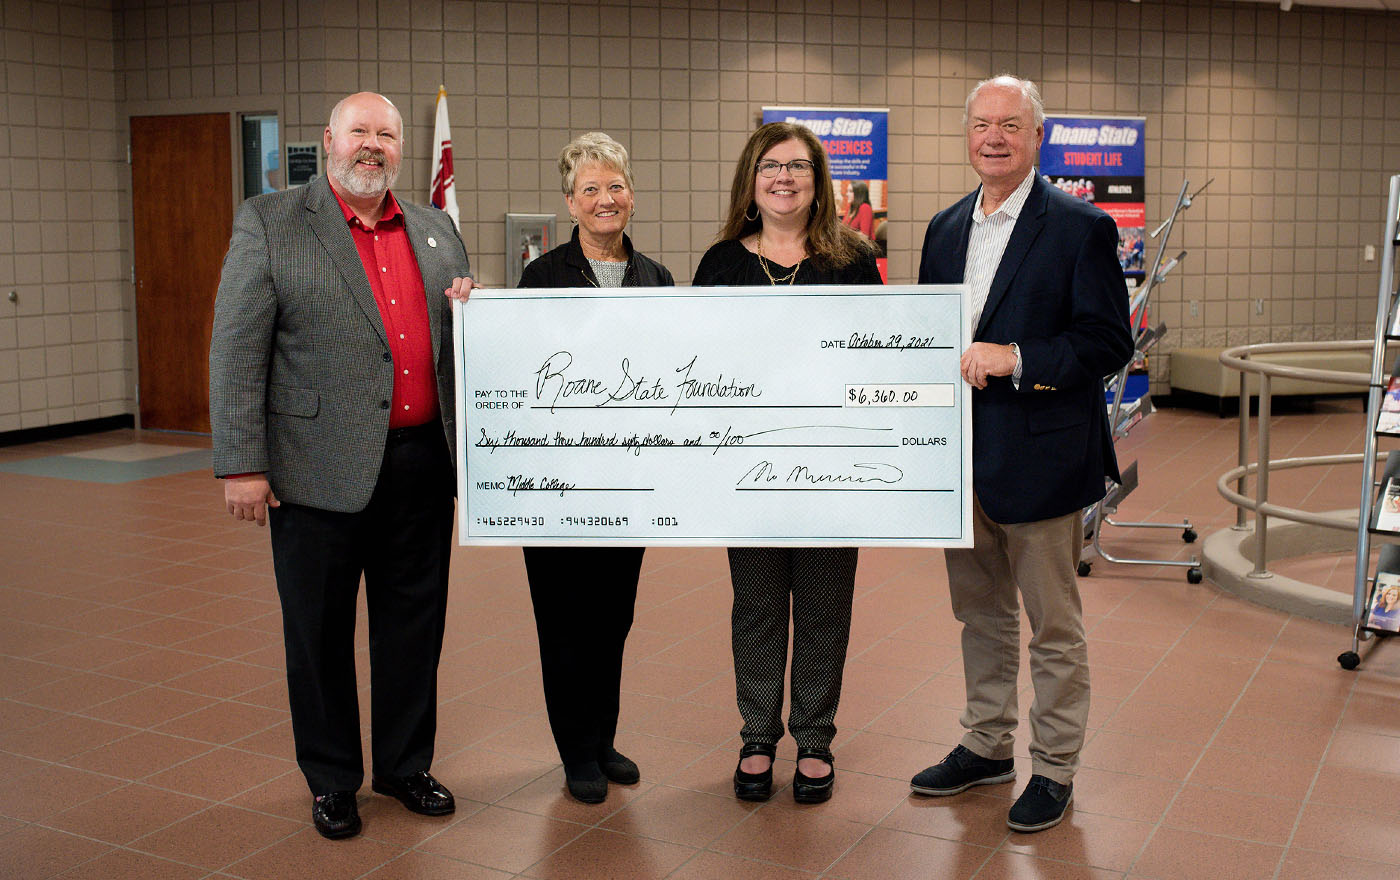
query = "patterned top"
{"x": 608, "y": 272}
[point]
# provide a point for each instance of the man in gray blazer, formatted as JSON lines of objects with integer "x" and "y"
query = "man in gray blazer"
{"x": 331, "y": 400}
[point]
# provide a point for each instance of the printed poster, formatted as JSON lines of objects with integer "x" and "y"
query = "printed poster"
{"x": 857, "y": 149}
{"x": 1103, "y": 160}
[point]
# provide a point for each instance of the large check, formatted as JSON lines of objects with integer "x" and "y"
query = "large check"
{"x": 774, "y": 416}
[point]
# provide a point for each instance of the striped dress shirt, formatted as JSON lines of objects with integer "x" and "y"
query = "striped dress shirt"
{"x": 985, "y": 246}
{"x": 988, "y": 241}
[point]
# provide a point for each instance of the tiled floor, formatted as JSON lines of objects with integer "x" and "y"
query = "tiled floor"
{"x": 144, "y": 732}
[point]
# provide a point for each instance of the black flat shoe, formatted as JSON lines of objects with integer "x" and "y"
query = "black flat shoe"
{"x": 335, "y": 815}
{"x": 810, "y": 790}
{"x": 420, "y": 792}
{"x": 618, "y": 767}
{"x": 586, "y": 782}
{"x": 754, "y": 786}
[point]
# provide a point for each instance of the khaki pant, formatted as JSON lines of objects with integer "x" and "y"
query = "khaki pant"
{"x": 1038, "y": 559}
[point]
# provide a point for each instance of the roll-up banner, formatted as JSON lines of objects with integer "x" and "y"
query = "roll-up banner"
{"x": 1102, "y": 159}
{"x": 857, "y": 149}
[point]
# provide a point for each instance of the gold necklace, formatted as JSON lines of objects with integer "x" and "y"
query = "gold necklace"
{"x": 763, "y": 264}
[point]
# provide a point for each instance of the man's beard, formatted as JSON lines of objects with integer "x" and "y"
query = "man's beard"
{"x": 362, "y": 180}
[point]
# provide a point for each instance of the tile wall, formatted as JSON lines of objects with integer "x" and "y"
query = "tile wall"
{"x": 1288, "y": 112}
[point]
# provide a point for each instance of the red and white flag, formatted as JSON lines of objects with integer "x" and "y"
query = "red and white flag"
{"x": 443, "y": 193}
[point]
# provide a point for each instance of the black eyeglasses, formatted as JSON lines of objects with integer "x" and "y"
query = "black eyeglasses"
{"x": 797, "y": 167}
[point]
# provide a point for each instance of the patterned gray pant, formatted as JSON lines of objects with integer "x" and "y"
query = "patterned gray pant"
{"x": 820, "y": 582}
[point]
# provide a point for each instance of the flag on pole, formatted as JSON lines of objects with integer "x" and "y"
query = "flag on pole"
{"x": 443, "y": 194}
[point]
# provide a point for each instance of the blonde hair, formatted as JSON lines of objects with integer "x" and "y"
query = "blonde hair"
{"x": 595, "y": 146}
{"x": 830, "y": 245}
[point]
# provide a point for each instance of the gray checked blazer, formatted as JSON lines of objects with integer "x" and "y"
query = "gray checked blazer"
{"x": 300, "y": 375}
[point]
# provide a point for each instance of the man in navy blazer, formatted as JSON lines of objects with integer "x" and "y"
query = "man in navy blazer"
{"x": 1050, "y": 312}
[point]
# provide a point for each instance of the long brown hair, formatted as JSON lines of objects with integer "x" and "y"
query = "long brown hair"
{"x": 830, "y": 245}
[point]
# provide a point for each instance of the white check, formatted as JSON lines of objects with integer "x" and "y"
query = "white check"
{"x": 675, "y": 416}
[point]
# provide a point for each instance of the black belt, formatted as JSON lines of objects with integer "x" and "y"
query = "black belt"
{"x": 398, "y": 435}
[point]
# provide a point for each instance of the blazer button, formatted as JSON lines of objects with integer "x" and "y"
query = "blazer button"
{"x": 383, "y": 404}
{"x": 387, "y": 356}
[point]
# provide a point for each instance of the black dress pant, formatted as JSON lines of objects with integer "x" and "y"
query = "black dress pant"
{"x": 817, "y": 584}
{"x": 584, "y": 599}
{"x": 401, "y": 543}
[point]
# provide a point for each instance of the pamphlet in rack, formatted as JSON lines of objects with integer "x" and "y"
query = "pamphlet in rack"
{"x": 1388, "y": 422}
{"x": 1388, "y": 514}
{"x": 1383, "y": 609}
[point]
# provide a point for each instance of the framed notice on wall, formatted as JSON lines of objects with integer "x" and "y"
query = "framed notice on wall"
{"x": 303, "y": 162}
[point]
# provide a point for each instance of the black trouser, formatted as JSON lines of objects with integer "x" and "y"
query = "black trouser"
{"x": 401, "y": 543}
{"x": 818, "y": 585}
{"x": 583, "y": 598}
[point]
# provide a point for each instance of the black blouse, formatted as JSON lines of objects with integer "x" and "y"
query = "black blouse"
{"x": 730, "y": 264}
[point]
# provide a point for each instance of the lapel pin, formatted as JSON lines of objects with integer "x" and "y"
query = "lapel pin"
{"x": 432, "y": 242}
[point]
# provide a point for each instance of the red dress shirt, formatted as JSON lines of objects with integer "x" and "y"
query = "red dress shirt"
{"x": 394, "y": 276}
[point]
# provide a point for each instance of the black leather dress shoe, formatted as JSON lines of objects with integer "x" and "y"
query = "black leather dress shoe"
{"x": 420, "y": 792}
{"x": 336, "y": 815}
{"x": 754, "y": 786}
{"x": 814, "y": 790}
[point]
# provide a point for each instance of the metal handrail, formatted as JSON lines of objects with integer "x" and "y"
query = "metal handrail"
{"x": 1241, "y": 358}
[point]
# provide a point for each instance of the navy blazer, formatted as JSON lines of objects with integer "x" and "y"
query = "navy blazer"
{"x": 1044, "y": 450}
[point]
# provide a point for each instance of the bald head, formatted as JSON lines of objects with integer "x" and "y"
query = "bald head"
{"x": 362, "y": 100}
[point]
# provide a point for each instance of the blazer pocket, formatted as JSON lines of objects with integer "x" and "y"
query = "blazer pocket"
{"x": 287, "y": 401}
{"x": 1043, "y": 420}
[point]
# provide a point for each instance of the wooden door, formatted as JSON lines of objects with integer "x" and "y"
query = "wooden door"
{"x": 182, "y": 216}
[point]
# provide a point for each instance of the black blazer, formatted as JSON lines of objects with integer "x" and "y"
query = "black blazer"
{"x": 566, "y": 266}
{"x": 1042, "y": 451}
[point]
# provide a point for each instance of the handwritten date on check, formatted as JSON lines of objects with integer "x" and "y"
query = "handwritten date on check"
{"x": 742, "y": 416}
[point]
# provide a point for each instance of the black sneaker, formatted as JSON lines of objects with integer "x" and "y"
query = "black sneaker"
{"x": 961, "y": 770}
{"x": 1042, "y": 805}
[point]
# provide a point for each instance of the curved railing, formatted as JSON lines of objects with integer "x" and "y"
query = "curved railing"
{"x": 1240, "y": 358}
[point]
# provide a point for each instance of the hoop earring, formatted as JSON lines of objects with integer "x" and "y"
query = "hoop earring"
{"x": 816, "y": 205}
{"x": 755, "y": 214}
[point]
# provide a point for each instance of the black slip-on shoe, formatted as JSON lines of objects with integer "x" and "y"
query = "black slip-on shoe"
{"x": 336, "y": 815}
{"x": 420, "y": 792}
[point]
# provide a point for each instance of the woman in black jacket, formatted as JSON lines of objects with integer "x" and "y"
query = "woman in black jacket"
{"x": 584, "y": 596}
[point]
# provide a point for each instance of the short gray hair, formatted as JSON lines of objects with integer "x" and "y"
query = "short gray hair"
{"x": 595, "y": 146}
{"x": 1026, "y": 87}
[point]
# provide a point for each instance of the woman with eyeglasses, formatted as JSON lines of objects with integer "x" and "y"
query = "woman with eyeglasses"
{"x": 584, "y": 596}
{"x": 783, "y": 228}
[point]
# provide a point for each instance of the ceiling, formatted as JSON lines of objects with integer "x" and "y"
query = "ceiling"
{"x": 1377, "y": 5}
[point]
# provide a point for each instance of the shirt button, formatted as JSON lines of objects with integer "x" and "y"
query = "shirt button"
{"x": 384, "y": 268}
{"x": 405, "y": 406}
{"x": 393, "y": 302}
{"x": 405, "y": 372}
{"x": 401, "y": 336}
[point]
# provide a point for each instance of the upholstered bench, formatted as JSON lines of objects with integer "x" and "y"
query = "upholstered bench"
{"x": 1199, "y": 378}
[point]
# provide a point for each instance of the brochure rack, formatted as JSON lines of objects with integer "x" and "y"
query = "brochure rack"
{"x": 1123, "y": 416}
{"x": 1381, "y": 499}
